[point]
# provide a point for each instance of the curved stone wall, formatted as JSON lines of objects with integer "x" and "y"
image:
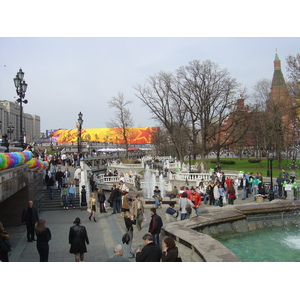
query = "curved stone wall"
{"x": 193, "y": 236}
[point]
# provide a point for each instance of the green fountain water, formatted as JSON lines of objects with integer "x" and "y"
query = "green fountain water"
{"x": 280, "y": 244}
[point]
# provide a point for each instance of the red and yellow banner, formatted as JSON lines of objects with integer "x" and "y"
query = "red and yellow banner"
{"x": 136, "y": 135}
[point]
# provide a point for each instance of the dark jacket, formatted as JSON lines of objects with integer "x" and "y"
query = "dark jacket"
{"x": 247, "y": 183}
{"x": 30, "y": 215}
{"x": 170, "y": 255}
{"x": 129, "y": 223}
{"x": 77, "y": 238}
{"x": 115, "y": 194}
{"x": 150, "y": 253}
{"x": 101, "y": 197}
{"x": 155, "y": 224}
{"x": 59, "y": 175}
{"x": 43, "y": 237}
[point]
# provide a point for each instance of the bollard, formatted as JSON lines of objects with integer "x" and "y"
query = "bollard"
{"x": 83, "y": 196}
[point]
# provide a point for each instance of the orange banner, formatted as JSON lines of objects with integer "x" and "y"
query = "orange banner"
{"x": 136, "y": 135}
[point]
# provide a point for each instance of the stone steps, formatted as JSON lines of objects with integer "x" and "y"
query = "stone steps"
{"x": 56, "y": 203}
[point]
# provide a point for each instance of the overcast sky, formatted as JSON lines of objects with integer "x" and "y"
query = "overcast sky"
{"x": 66, "y": 75}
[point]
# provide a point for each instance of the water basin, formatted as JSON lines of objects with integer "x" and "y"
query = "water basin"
{"x": 279, "y": 244}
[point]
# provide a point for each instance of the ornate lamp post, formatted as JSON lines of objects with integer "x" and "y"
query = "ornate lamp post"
{"x": 21, "y": 87}
{"x": 271, "y": 192}
{"x": 80, "y": 121}
{"x": 10, "y": 130}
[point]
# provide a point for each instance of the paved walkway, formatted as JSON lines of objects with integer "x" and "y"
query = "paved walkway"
{"x": 103, "y": 234}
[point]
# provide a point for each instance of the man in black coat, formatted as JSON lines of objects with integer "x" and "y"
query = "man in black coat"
{"x": 30, "y": 217}
{"x": 114, "y": 197}
{"x": 150, "y": 253}
{"x": 59, "y": 175}
{"x": 155, "y": 225}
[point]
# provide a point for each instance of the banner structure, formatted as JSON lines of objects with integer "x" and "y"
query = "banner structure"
{"x": 136, "y": 135}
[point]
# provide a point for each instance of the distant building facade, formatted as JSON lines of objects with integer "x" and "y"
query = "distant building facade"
{"x": 10, "y": 114}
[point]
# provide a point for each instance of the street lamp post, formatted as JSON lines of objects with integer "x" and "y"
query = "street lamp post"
{"x": 189, "y": 159}
{"x": 10, "y": 130}
{"x": 21, "y": 87}
{"x": 271, "y": 192}
{"x": 80, "y": 121}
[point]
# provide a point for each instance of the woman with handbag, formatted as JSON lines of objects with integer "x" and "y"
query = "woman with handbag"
{"x": 43, "y": 236}
{"x": 92, "y": 206}
{"x": 4, "y": 244}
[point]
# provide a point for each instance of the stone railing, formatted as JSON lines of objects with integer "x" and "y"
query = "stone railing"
{"x": 114, "y": 179}
{"x": 125, "y": 166}
{"x": 194, "y": 177}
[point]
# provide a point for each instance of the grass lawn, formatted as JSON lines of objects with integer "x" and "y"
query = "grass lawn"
{"x": 244, "y": 165}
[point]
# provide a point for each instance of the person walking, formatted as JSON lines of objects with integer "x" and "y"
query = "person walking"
{"x": 155, "y": 225}
{"x": 59, "y": 175}
{"x": 78, "y": 239}
{"x": 67, "y": 176}
{"x": 138, "y": 211}
{"x": 114, "y": 197}
{"x": 51, "y": 187}
{"x": 125, "y": 204}
{"x": 72, "y": 193}
{"x": 4, "y": 244}
{"x": 129, "y": 221}
{"x": 101, "y": 200}
{"x": 30, "y": 217}
{"x": 43, "y": 236}
{"x": 77, "y": 175}
{"x": 92, "y": 206}
{"x": 64, "y": 194}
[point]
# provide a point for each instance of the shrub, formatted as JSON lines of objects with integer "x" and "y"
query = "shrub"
{"x": 254, "y": 160}
{"x": 223, "y": 162}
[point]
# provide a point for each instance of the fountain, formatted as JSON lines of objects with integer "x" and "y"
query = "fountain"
{"x": 150, "y": 182}
{"x": 161, "y": 185}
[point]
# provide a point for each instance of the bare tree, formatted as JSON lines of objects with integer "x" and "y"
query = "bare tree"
{"x": 156, "y": 94}
{"x": 261, "y": 92}
{"x": 122, "y": 122}
{"x": 208, "y": 93}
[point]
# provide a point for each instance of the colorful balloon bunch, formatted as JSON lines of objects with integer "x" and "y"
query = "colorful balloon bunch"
{"x": 35, "y": 164}
{"x": 13, "y": 159}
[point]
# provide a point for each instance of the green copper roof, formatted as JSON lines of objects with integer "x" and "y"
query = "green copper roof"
{"x": 276, "y": 56}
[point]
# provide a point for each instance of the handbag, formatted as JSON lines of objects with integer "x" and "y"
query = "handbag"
{"x": 5, "y": 245}
{"x": 126, "y": 238}
{"x": 144, "y": 218}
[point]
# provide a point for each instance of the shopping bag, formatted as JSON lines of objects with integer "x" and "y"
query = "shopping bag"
{"x": 144, "y": 218}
